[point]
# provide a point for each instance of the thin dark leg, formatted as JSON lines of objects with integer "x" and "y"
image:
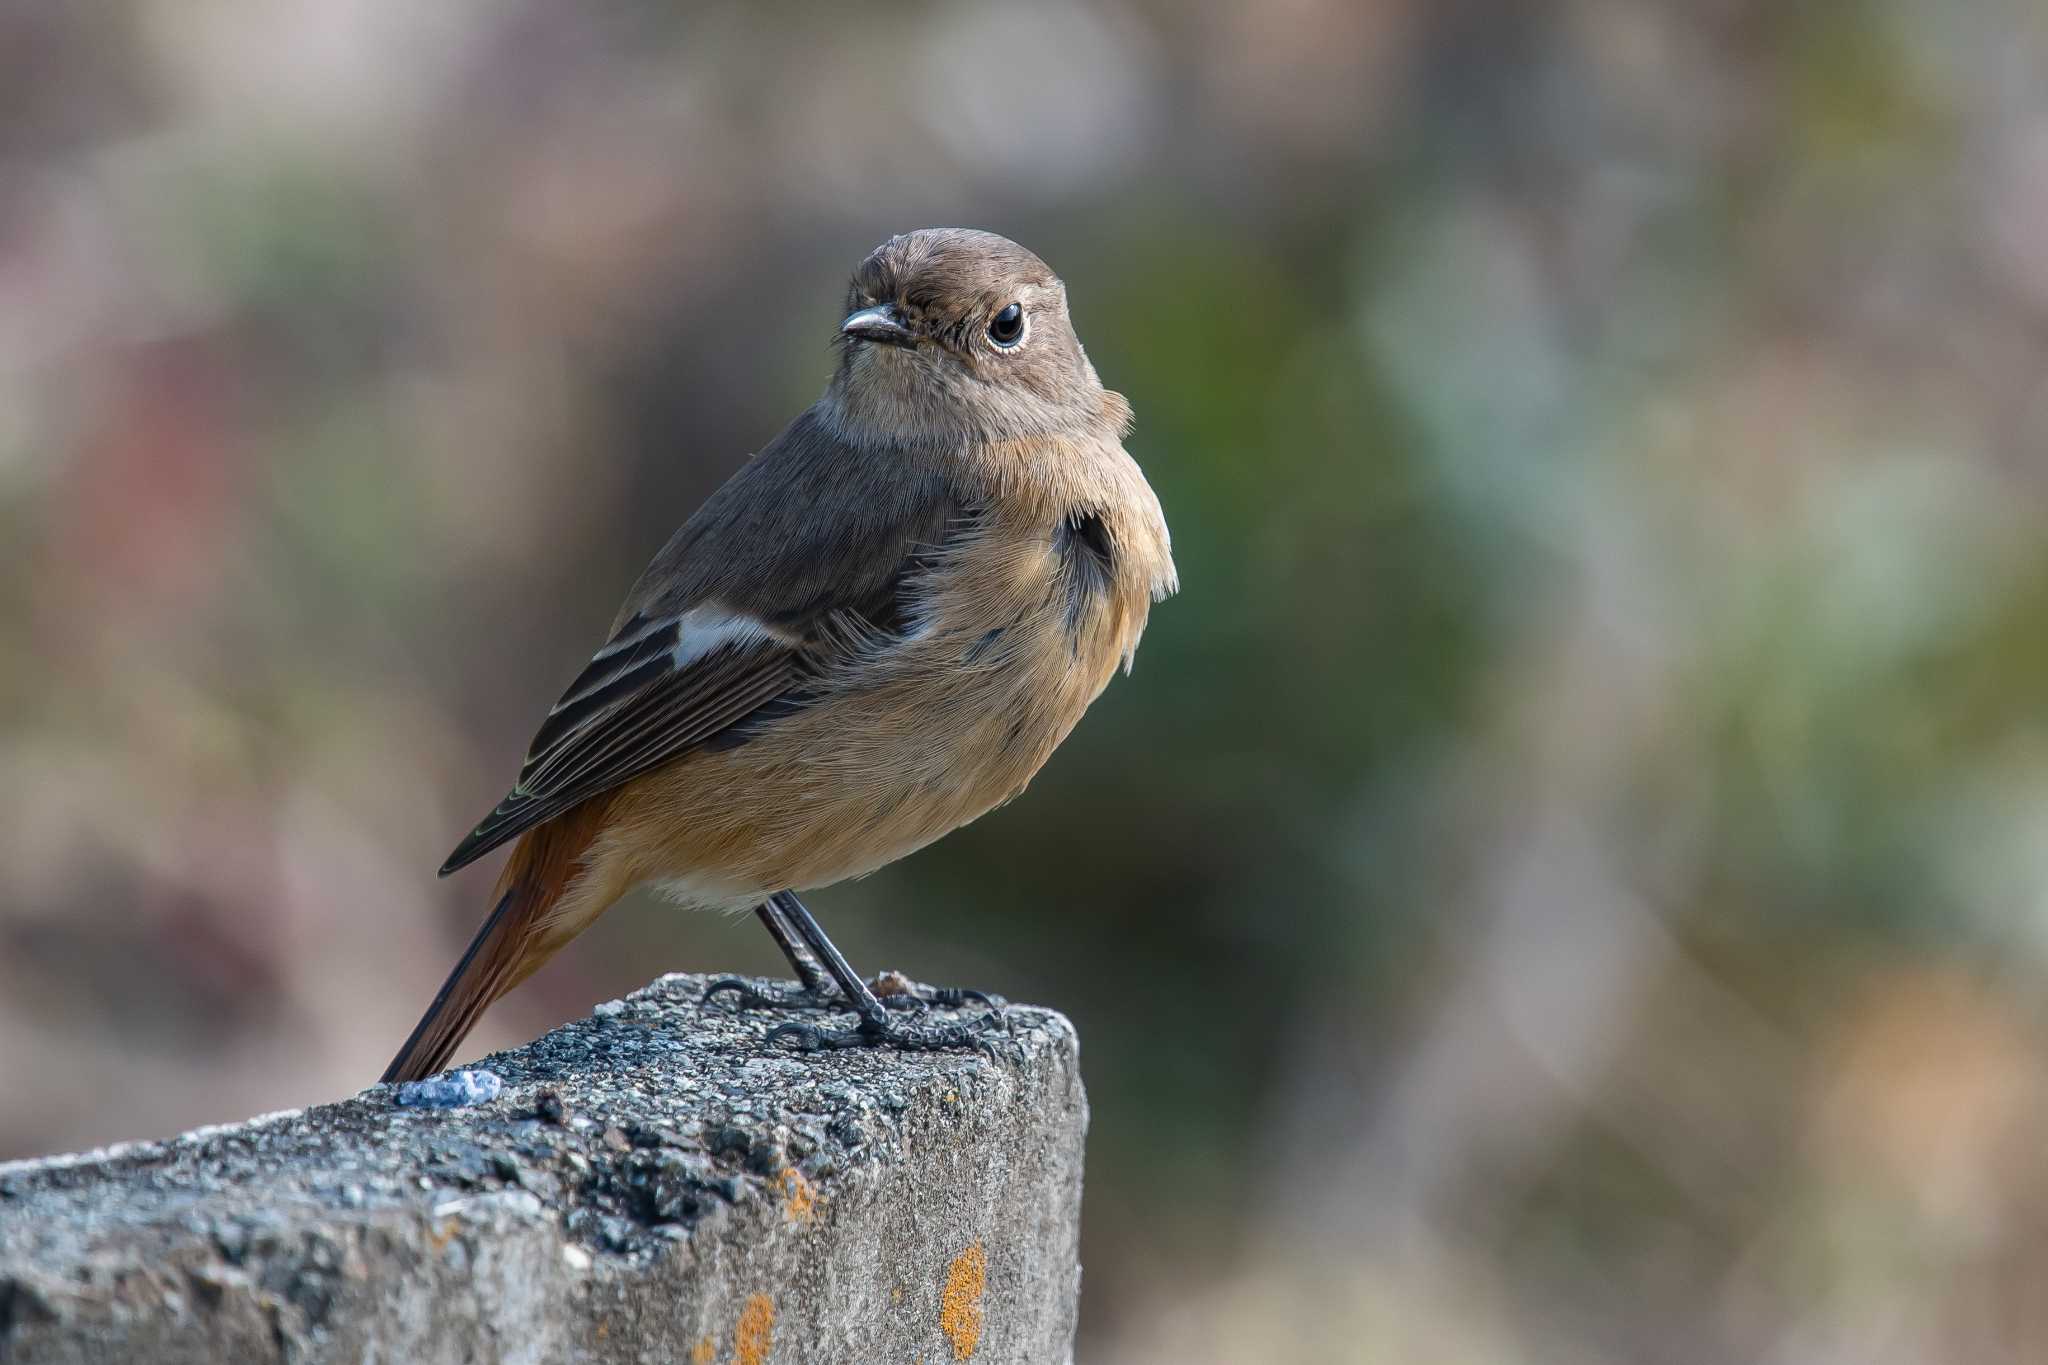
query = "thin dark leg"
{"x": 816, "y": 992}
{"x": 876, "y": 1027}
{"x": 800, "y": 961}
{"x": 812, "y": 933}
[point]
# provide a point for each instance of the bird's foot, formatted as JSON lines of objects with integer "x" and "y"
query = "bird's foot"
{"x": 747, "y": 996}
{"x": 899, "y": 992}
{"x": 893, "y": 989}
{"x": 980, "y": 1034}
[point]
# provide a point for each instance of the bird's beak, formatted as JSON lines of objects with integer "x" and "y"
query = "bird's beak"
{"x": 878, "y": 324}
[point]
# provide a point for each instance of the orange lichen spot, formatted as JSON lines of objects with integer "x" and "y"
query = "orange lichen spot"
{"x": 755, "y": 1331}
{"x": 896, "y": 1294}
{"x": 703, "y": 1351}
{"x": 799, "y": 1196}
{"x": 960, "y": 1301}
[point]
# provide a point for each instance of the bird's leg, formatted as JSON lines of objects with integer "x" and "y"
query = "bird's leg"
{"x": 800, "y": 960}
{"x": 875, "y": 1028}
{"x": 816, "y": 992}
{"x": 894, "y": 990}
{"x": 817, "y": 987}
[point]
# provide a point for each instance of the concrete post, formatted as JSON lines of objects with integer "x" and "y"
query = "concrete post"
{"x": 653, "y": 1184}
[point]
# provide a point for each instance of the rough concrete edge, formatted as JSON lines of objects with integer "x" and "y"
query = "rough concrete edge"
{"x": 543, "y": 1224}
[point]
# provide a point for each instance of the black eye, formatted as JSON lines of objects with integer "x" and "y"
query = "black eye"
{"x": 1007, "y": 327}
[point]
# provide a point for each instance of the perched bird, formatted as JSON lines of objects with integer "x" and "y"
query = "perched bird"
{"x": 874, "y": 632}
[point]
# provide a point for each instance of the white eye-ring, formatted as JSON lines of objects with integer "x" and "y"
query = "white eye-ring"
{"x": 1006, "y": 328}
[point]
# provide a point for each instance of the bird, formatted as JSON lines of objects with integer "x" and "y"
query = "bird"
{"x": 878, "y": 629}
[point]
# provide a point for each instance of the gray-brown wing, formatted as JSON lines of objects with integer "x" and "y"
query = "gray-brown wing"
{"x": 648, "y": 697}
{"x": 810, "y": 555}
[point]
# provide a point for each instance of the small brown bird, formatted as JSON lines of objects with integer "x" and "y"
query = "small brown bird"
{"x": 876, "y": 631}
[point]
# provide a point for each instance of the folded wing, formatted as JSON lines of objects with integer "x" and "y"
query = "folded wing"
{"x": 656, "y": 690}
{"x": 733, "y": 628}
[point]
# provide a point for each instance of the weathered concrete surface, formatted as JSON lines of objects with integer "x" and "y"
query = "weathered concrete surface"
{"x": 699, "y": 1195}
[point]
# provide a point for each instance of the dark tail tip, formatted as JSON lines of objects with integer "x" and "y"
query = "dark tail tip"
{"x": 438, "y": 1034}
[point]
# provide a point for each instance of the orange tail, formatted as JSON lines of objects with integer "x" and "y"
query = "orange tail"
{"x": 519, "y": 936}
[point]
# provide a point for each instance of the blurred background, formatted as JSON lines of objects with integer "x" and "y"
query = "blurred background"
{"x": 1568, "y": 880}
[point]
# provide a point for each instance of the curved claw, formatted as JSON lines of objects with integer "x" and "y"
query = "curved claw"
{"x": 957, "y": 997}
{"x": 977, "y": 1034}
{"x": 899, "y": 992}
{"x": 745, "y": 994}
{"x": 724, "y": 983}
{"x": 996, "y": 1020}
{"x": 902, "y": 997}
{"x": 807, "y": 1037}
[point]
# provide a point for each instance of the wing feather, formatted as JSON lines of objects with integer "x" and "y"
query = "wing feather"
{"x": 659, "y": 713}
{"x": 811, "y": 557}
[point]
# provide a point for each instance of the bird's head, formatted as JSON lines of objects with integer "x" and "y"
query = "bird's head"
{"x": 956, "y": 335}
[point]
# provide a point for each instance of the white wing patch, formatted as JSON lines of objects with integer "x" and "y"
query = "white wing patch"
{"x": 696, "y": 633}
{"x": 710, "y": 627}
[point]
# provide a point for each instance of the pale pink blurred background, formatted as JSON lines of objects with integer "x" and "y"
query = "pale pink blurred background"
{"x": 1567, "y": 881}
